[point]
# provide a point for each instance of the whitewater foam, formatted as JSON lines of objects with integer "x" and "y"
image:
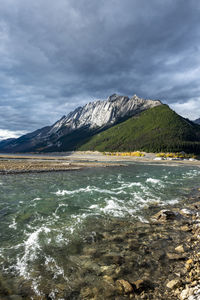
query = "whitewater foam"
{"x": 114, "y": 207}
{"x": 31, "y": 247}
{"x": 191, "y": 174}
{"x": 128, "y": 185}
{"x": 60, "y": 205}
{"x": 33, "y": 202}
{"x": 13, "y": 225}
{"x": 153, "y": 180}
{"x": 172, "y": 201}
{"x": 88, "y": 189}
{"x": 51, "y": 265}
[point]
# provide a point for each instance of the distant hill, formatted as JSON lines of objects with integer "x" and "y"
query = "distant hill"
{"x": 156, "y": 129}
{"x": 73, "y": 130}
{"x": 4, "y": 143}
{"x": 197, "y": 121}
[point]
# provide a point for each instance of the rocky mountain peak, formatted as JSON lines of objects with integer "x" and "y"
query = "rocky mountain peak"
{"x": 90, "y": 118}
{"x": 113, "y": 98}
{"x": 103, "y": 113}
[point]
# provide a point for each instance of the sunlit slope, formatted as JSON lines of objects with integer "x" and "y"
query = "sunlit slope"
{"x": 157, "y": 129}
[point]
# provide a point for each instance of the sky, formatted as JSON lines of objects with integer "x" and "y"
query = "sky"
{"x": 58, "y": 55}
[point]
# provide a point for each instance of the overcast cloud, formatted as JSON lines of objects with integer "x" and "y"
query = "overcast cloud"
{"x": 57, "y": 55}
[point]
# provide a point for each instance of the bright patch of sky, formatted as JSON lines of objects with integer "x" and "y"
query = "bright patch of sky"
{"x": 7, "y": 134}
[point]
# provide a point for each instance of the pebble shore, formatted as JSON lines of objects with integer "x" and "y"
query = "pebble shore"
{"x": 156, "y": 260}
{"x": 28, "y": 165}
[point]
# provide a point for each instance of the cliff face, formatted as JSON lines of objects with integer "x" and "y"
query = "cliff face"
{"x": 71, "y": 130}
{"x": 103, "y": 113}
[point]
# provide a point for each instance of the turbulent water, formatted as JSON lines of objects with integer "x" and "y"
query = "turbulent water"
{"x": 47, "y": 218}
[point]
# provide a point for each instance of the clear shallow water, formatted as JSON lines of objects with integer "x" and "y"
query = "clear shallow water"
{"x": 46, "y": 218}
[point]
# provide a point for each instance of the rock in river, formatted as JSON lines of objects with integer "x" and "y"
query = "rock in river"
{"x": 165, "y": 215}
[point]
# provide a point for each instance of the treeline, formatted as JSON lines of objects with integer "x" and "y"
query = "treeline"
{"x": 155, "y": 130}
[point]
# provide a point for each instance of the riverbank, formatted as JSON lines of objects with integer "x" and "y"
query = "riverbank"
{"x": 19, "y": 165}
{"x": 29, "y": 163}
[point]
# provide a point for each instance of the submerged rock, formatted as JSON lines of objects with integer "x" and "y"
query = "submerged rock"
{"x": 123, "y": 286}
{"x": 176, "y": 256}
{"x": 108, "y": 279}
{"x": 142, "y": 285}
{"x": 113, "y": 258}
{"x": 186, "y": 228}
{"x": 189, "y": 263}
{"x": 86, "y": 292}
{"x": 108, "y": 270}
{"x": 180, "y": 249}
{"x": 173, "y": 284}
{"x": 15, "y": 297}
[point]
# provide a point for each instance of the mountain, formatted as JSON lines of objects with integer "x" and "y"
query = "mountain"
{"x": 154, "y": 130}
{"x": 73, "y": 130}
{"x": 197, "y": 121}
{"x": 6, "y": 142}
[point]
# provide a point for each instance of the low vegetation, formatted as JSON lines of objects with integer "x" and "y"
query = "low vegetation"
{"x": 135, "y": 154}
{"x": 181, "y": 155}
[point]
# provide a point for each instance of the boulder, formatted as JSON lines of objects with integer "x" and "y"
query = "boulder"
{"x": 187, "y": 212}
{"x": 165, "y": 215}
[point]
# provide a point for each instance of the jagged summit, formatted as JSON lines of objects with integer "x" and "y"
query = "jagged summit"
{"x": 106, "y": 112}
{"x": 81, "y": 123}
{"x": 113, "y": 97}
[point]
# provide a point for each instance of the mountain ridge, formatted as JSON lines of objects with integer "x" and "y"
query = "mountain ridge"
{"x": 80, "y": 124}
{"x": 197, "y": 121}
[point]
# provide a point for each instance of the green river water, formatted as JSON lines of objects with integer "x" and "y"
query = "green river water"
{"x": 47, "y": 219}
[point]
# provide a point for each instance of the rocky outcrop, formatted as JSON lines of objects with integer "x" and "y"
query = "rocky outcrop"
{"x": 165, "y": 215}
{"x": 72, "y": 130}
{"x": 103, "y": 113}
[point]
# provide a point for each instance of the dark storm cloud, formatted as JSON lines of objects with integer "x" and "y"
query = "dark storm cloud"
{"x": 56, "y": 55}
